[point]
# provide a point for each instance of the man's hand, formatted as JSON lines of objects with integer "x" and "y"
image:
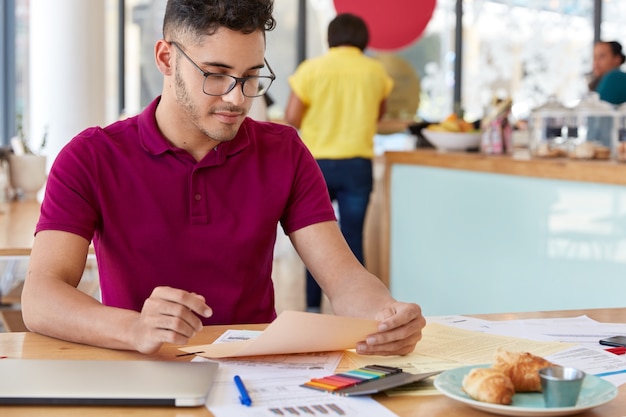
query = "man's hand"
{"x": 399, "y": 330}
{"x": 170, "y": 315}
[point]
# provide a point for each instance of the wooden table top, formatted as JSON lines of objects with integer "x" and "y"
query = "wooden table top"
{"x": 34, "y": 346}
{"x": 17, "y": 227}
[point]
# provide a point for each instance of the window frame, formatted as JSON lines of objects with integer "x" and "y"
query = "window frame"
{"x": 7, "y": 72}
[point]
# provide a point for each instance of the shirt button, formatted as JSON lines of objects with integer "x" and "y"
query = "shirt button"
{"x": 198, "y": 197}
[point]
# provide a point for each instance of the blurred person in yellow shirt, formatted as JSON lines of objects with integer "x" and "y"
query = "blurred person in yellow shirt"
{"x": 336, "y": 101}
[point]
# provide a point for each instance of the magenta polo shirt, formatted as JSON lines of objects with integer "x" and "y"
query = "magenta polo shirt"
{"x": 157, "y": 217}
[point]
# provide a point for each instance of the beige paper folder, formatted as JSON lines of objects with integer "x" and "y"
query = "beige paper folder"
{"x": 295, "y": 332}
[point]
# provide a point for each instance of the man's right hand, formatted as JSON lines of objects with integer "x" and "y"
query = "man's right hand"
{"x": 169, "y": 315}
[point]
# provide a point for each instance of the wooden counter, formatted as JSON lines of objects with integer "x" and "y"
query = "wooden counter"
{"x": 604, "y": 172}
{"x": 469, "y": 225}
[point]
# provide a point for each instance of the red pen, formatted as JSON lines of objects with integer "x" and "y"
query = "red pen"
{"x": 617, "y": 350}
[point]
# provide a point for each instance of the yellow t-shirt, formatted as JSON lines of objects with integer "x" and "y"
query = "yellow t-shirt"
{"x": 342, "y": 91}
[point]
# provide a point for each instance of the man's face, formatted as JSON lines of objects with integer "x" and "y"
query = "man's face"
{"x": 224, "y": 52}
{"x": 604, "y": 60}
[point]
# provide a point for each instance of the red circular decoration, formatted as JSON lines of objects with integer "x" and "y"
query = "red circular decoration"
{"x": 393, "y": 24}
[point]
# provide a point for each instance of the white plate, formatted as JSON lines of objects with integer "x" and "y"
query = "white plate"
{"x": 595, "y": 391}
{"x": 452, "y": 141}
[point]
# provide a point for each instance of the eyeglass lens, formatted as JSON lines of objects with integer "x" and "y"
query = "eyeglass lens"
{"x": 219, "y": 84}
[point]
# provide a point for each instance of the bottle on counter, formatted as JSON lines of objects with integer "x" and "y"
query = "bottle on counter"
{"x": 497, "y": 131}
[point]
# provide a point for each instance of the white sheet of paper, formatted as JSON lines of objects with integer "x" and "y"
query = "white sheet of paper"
{"x": 274, "y": 386}
{"x": 279, "y": 391}
{"x": 323, "y": 405}
{"x": 577, "y": 330}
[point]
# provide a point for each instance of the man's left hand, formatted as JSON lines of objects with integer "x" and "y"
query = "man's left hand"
{"x": 399, "y": 330}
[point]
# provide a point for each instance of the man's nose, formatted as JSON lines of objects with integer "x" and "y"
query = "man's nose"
{"x": 235, "y": 95}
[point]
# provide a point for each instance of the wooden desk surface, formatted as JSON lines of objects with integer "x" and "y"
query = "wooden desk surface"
{"x": 17, "y": 227}
{"x": 33, "y": 346}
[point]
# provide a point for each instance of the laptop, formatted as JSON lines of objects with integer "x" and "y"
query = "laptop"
{"x": 100, "y": 382}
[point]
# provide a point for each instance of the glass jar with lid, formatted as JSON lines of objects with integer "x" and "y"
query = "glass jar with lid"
{"x": 596, "y": 132}
{"x": 549, "y": 125}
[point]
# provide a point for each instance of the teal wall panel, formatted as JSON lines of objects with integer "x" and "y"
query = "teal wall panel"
{"x": 465, "y": 242}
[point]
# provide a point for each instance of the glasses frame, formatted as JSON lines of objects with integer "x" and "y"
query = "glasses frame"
{"x": 237, "y": 80}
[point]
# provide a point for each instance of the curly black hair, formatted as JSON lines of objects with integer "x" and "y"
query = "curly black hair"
{"x": 196, "y": 18}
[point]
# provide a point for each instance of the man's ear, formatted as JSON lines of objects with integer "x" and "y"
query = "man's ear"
{"x": 164, "y": 57}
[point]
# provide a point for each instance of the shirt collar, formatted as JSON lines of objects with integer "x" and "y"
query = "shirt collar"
{"x": 345, "y": 50}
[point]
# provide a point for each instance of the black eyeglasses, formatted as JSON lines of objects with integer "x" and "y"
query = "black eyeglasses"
{"x": 216, "y": 84}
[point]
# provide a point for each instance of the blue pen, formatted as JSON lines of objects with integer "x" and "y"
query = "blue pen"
{"x": 244, "y": 397}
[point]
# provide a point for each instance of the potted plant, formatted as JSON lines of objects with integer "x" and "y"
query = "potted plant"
{"x": 27, "y": 167}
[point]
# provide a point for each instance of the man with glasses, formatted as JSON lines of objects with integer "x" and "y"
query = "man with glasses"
{"x": 182, "y": 203}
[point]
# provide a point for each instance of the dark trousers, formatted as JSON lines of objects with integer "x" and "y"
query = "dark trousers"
{"x": 349, "y": 183}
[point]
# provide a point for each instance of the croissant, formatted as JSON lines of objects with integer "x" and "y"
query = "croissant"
{"x": 489, "y": 385}
{"x": 522, "y": 368}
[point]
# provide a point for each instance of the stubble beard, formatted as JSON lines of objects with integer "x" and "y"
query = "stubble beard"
{"x": 223, "y": 134}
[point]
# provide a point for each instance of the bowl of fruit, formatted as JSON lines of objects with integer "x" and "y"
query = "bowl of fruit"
{"x": 452, "y": 134}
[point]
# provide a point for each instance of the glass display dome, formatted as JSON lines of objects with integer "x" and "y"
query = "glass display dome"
{"x": 550, "y": 125}
{"x": 595, "y": 134}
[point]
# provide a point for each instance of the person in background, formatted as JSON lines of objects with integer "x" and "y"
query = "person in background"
{"x": 608, "y": 80}
{"x": 183, "y": 223}
{"x": 336, "y": 101}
